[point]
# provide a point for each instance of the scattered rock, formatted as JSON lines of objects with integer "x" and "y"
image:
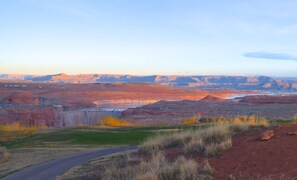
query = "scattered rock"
{"x": 266, "y": 135}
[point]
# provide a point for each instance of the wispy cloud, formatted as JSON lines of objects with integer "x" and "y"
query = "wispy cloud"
{"x": 269, "y": 55}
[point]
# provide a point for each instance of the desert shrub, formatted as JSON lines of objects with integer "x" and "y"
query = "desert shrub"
{"x": 113, "y": 121}
{"x": 180, "y": 169}
{"x": 216, "y": 149}
{"x": 190, "y": 120}
{"x": 178, "y": 139}
{"x": 17, "y": 126}
{"x": 15, "y": 130}
{"x": 207, "y": 139}
{"x": 244, "y": 118}
{"x": 196, "y": 145}
{"x": 152, "y": 145}
{"x": 236, "y": 128}
{"x": 250, "y": 120}
{"x": 160, "y": 169}
{"x": 263, "y": 122}
{"x": 158, "y": 143}
{"x": 219, "y": 120}
{"x": 215, "y": 134}
{"x": 4, "y": 155}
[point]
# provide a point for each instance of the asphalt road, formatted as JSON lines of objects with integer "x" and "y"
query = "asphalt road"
{"x": 50, "y": 170}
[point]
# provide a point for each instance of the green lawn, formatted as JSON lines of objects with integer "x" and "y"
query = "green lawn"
{"x": 92, "y": 136}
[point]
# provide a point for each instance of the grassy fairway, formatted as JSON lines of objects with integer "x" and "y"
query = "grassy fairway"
{"x": 88, "y": 136}
{"x": 93, "y": 136}
{"x": 81, "y": 136}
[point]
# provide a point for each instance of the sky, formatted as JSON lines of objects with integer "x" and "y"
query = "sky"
{"x": 145, "y": 37}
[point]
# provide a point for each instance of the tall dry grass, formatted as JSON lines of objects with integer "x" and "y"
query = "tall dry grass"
{"x": 4, "y": 155}
{"x": 158, "y": 168}
{"x": 157, "y": 143}
{"x": 294, "y": 119}
{"x": 196, "y": 141}
{"x": 216, "y": 149}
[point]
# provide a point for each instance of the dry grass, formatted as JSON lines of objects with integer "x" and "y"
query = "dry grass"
{"x": 235, "y": 128}
{"x": 152, "y": 145}
{"x": 177, "y": 139}
{"x": 197, "y": 141}
{"x": 192, "y": 141}
{"x": 294, "y": 119}
{"x": 15, "y": 130}
{"x": 158, "y": 168}
{"x": 158, "y": 143}
{"x": 196, "y": 144}
{"x": 215, "y": 134}
{"x": 113, "y": 121}
{"x": 4, "y": 155}
{"x": 216, "y": 149}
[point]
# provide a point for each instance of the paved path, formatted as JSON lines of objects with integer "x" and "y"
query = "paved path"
{"x": 50, "y": 170}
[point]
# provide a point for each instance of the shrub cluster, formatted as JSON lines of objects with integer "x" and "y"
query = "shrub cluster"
{"x": 16, "y": 130}
{"x": 113, "y": 121}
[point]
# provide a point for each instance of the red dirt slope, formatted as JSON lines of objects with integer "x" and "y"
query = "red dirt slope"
{"x": 251, "y": 158}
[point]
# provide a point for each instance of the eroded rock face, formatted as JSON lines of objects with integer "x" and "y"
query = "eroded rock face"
{"x": 266, "y": 135}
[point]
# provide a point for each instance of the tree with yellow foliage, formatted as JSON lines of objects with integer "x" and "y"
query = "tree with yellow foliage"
{"x": 113, "y": 121}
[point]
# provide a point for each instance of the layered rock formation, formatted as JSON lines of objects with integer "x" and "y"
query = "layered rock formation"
{"x": 233, "y": 82}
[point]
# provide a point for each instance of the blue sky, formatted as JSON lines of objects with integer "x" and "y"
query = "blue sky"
{"x": 142, "y": 37}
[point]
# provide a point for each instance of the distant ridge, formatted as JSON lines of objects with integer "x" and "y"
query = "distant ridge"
{"x": 211, "y": 99}
{"x": 228, "y": 82}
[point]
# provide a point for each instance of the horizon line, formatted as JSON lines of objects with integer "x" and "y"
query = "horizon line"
{"x": 182, "y": 75}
